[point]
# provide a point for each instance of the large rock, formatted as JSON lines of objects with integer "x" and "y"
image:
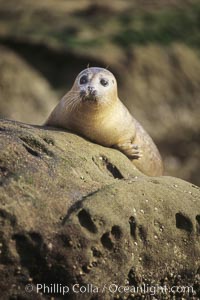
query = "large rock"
{"x": 73, "y": 212}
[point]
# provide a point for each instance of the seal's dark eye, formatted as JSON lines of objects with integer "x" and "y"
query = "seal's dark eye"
{"x": 83, "y": 79}
{"x": 104, "y": 82}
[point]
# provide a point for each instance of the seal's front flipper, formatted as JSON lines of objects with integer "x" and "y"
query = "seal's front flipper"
{"x": 131, "y": 150}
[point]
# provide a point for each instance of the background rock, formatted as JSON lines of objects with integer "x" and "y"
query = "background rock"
{"x": 75, "y": 212}
{"x": 25, "y": 94}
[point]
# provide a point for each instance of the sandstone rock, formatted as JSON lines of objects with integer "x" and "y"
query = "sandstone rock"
{"x": 73, "y": 212}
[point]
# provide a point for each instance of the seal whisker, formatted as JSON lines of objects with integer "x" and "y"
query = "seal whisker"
{"x": 72, "y": 103}
{"x": 74, "y": 93}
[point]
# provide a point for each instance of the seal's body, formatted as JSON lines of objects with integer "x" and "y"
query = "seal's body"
{"x": 92, "y": 109}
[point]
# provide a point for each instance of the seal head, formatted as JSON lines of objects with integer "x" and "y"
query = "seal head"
{"x": 94, "y": 85}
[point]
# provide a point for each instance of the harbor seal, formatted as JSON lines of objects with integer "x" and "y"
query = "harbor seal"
{"x": 92, "y": 109}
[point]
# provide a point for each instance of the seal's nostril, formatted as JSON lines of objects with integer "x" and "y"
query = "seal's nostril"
{"x": 90, "y": 89}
